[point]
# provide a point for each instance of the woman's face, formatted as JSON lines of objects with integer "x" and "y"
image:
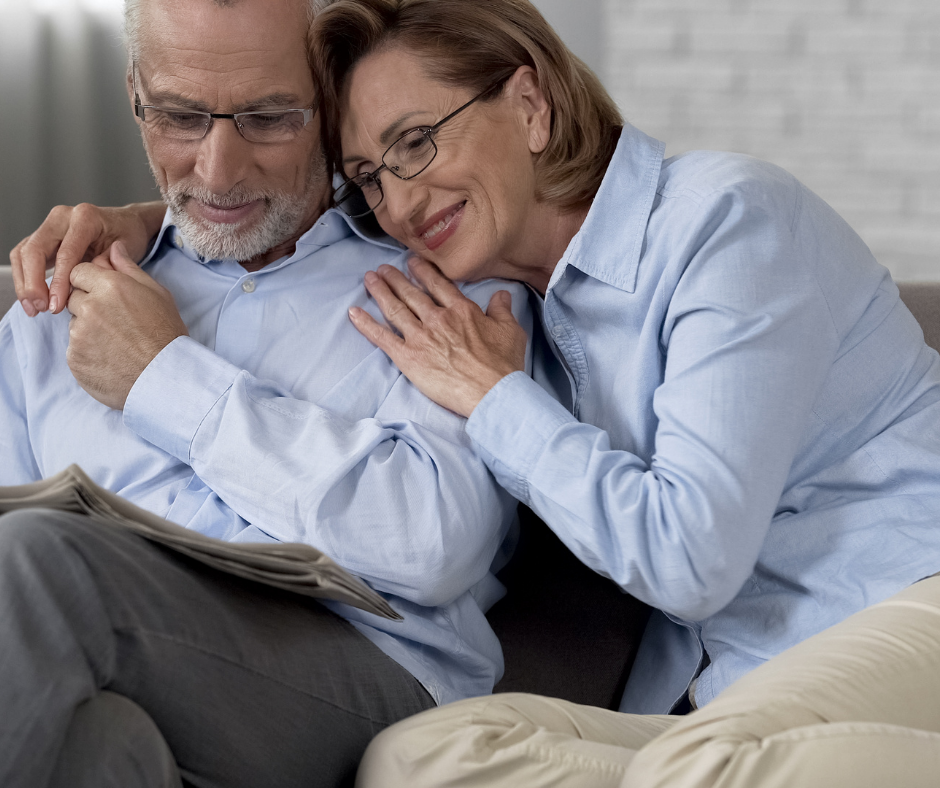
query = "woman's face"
{"x": 468, "y": 212}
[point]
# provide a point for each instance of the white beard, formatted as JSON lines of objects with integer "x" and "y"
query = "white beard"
{"x": 281, "y": 219}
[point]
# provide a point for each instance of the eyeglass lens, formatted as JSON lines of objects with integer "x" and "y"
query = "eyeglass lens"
{"x": 407, "y": 157}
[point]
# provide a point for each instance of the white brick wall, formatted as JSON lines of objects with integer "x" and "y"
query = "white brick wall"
{"x": 845, "y": 94}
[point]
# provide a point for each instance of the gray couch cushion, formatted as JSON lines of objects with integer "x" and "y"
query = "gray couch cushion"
{"x": 7, "y": 294}
{"x": 923, "y": 299}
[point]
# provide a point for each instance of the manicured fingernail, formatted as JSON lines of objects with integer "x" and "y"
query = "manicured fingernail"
{"x": 53, "y": 304}
{"x": 28, "y": 308}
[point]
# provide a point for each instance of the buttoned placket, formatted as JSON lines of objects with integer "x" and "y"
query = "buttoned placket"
{"x": 566, "y": 344}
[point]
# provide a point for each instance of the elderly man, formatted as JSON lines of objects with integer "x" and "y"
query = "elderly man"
{"x": 252, "y": 410}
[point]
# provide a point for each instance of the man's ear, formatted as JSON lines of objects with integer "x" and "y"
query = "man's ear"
{"x": 532, "y": 102}
{"x": 130, "y": 88}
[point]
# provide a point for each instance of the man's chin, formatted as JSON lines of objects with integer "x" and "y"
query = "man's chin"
{"x": 224, "y": 240}
{"x": 214, "y": 215}
{"x": 254, "y": 225}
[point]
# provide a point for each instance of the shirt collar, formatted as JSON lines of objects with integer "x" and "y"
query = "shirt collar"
{"x": 329, "y": 228}
{"x": 609, "y": 244}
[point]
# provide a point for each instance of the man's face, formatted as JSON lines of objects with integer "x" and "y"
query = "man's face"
{"x": 232, "y": 198}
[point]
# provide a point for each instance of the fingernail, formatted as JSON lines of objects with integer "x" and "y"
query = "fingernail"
{"x": 371, "y": 276}
{"x": 53, "y": 303}
{"x": 28, "y": 308}
{"x": 39, "y": 304}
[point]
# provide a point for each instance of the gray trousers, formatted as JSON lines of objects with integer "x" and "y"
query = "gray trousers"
{"x": 125, "y": 664}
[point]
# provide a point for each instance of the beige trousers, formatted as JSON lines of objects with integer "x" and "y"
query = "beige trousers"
{"x": 856, "y": 705}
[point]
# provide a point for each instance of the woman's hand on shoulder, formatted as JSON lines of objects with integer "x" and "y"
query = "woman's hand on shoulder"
{"x": 74, "y": 234}
{"x": 448, "y": 347}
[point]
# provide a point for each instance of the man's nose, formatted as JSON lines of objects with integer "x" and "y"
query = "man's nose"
{"x": 224, "y": 156}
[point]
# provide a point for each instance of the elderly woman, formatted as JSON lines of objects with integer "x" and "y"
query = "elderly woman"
{"x": 739, "y": 421}
{"x": 734, "y": 416}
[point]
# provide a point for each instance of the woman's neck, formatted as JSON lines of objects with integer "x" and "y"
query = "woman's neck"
{"x": 547, "y": 234}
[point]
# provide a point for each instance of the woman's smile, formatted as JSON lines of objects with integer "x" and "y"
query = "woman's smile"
{"x": 440, "y": 227}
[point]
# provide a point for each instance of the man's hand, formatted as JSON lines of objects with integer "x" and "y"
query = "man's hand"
{"x": 70, "y": 236}
{"x": 121, "y": 320}
{"x": 450, "y": 349}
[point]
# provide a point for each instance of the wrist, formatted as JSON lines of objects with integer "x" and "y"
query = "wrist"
{"x": 483, "y": 385}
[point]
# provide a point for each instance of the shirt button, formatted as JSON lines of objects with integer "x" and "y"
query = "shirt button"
{"x": 178, "y": 240}
{"x": 248, "y": 286}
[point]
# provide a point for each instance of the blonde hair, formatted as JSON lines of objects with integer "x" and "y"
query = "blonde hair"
{"x": 471, "y": 44}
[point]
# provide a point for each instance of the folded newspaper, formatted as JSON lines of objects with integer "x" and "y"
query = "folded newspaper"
{"x": 288, "y": 565}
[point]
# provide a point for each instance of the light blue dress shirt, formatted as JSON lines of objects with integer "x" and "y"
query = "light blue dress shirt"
{"x": 276, "y": 420}
{"x": 755, "y": 440}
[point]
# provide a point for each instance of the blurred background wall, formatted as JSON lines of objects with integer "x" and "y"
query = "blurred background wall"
{"x": 67, "y": 133}
{"x": 843, "y": 93}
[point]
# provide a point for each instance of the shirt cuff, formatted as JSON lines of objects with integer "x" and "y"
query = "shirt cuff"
{"x": 175, "y": 393}
{"x": 510, "y": 428}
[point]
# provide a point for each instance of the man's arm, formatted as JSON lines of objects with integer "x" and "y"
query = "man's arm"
{"x": 374, "y": 473}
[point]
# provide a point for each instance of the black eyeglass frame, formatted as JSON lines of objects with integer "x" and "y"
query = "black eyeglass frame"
{"x": 140, "y": 111}
{"x": 348, "y": 190}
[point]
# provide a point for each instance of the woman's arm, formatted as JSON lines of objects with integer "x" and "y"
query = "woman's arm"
{"x": 749, "y": 341}
{"x": 71, "y": 235}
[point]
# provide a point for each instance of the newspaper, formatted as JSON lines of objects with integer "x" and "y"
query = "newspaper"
{"x": 294, "y": 567}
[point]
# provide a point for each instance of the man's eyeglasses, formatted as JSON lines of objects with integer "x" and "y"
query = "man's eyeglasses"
{"x": 185, "y": 125}
{"x": 407, "y": 157}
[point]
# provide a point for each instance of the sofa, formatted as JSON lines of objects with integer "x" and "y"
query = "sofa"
{"x": 566, "y": 631}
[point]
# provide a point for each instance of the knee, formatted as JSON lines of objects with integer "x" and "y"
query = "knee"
{"x": 20, "y": 528}
{"x": 22, "y": 525}
{"x": 33, "y": 537}
{"x": 413, "y": 752}
{"x": 113, "y": 741}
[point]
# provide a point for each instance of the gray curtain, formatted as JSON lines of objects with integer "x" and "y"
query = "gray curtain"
{"x": 67, "y": 132}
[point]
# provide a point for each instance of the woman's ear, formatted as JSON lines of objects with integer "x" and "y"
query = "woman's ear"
{"x": 532, "y": 103}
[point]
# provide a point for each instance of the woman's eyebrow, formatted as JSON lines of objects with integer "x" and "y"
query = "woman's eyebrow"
{"x": 392, "y": 130}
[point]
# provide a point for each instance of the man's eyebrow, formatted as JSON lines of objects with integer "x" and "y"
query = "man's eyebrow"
{"x": 164, "y": 97}
{"x": 271, "y": 101}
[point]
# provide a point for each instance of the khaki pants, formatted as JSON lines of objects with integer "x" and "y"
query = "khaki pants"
{"x": 856, "y": 705}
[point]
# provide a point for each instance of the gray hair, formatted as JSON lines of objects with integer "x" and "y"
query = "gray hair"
{"x": 132, "y": 23}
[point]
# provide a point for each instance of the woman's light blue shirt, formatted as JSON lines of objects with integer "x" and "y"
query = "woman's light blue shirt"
{"x": 755, "y": 440}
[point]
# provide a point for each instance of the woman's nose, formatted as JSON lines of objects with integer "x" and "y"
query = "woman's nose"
{"x": 403, "y": 199}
